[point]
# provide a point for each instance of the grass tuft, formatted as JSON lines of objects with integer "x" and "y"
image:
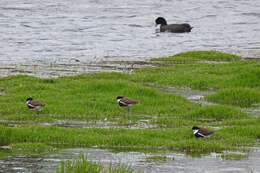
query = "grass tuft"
{"x": 82, "y": 165}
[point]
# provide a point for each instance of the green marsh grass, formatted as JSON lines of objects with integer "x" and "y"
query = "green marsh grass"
{"x": 93, "y": 97}
{"x": 194, "y": 56}
{"x": 243, "y": 97}
{"x": 217, "y": 112}
{"x": 177, "y": 139}
{"x": 73, "y": 98}
{"x": 203, "y": 76}
{"x": 235, "y": 122}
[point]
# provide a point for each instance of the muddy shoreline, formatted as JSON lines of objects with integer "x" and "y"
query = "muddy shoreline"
{"x": 72, "y": 67}
{"x": 52, "y": 69}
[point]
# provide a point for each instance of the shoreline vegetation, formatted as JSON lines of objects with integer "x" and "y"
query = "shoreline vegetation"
{"x": 234, "y": 84}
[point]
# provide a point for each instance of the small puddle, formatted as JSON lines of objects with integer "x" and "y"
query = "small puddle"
{"x": 252, "y": 111}
{"x": 198, "y": 97}
{"x": 174, "y": 162}
{"x": 192, "y": 95}
{"x": 140, "y": 124}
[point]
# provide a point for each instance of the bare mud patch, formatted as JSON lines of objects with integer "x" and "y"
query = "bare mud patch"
{"x": 53, "y": 69}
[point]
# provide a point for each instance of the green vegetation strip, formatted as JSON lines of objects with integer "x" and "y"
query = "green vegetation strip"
{"x": 84, "y": 96}
{"x": 178, "y": 139}
{"x": 236, "y": 84}
{"x": 194, "y": 56}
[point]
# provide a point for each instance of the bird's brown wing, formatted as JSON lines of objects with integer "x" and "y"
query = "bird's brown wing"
{"x": 206, "y": 131}
{"x": 128, "y": 100}
{"x": 36, "y": 103}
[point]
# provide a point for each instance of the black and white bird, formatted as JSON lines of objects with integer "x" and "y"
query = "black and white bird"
{"x": 126, "y": 102}
{"x": 34, "y": 104}
{"x": 177, "y": 28}
{"x": 201, "y": 132}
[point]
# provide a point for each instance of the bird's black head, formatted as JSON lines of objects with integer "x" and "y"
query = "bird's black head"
{"x": 119, "y": 97}
{"x": 160, "y": 21}
{"x": 195, "y": 128}
{"x": 29, "y": 99}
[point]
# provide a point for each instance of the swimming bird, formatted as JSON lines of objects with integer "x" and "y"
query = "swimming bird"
{"x": 126, "y": 102}
{"x": 177, "y": 28}
{"x": 34, "y": 104}
{"x": 201, "y": 132}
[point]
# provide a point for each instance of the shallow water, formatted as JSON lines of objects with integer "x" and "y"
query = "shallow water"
{"x": 68, "y": 68}
{"x": 140, "y": 124}
{"x": 176, "y": 162}
{"x": 89, "y": 31}
{"x": 196, "y": 96}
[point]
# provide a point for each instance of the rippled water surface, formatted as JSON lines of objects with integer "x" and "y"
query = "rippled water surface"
{"x": 175, "y": 163}
{"x": 93, "y": 30}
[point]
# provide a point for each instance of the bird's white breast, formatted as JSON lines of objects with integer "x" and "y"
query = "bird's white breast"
{"x": 195, "y": 131}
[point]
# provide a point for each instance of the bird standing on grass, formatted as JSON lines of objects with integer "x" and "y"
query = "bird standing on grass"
{"x": 177, "y": 28}
{"x": 201, "y": 132}
{"x": 126, "y": 102}
{"x": 34, "y": 104}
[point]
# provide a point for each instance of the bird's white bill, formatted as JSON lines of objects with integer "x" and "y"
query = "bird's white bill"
{"x": 118, "y": 100}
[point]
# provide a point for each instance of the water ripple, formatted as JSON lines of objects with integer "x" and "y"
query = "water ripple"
{"x": 39, "y": 30}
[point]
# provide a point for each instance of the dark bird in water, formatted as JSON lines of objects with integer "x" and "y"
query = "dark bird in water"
{"x": 126, "y": 102}
{"x": 201, "y": 132}
{"x": 177, "y": 28}
{"x": 34, "y": 104}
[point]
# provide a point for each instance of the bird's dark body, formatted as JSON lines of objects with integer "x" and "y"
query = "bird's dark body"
{"x": 176, "y": 28}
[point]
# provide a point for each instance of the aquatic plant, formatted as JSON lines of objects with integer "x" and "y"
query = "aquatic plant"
{"x": 32, "y": 147}
{"x": 156, "y": 158}
{"x": 233, "y": 156}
